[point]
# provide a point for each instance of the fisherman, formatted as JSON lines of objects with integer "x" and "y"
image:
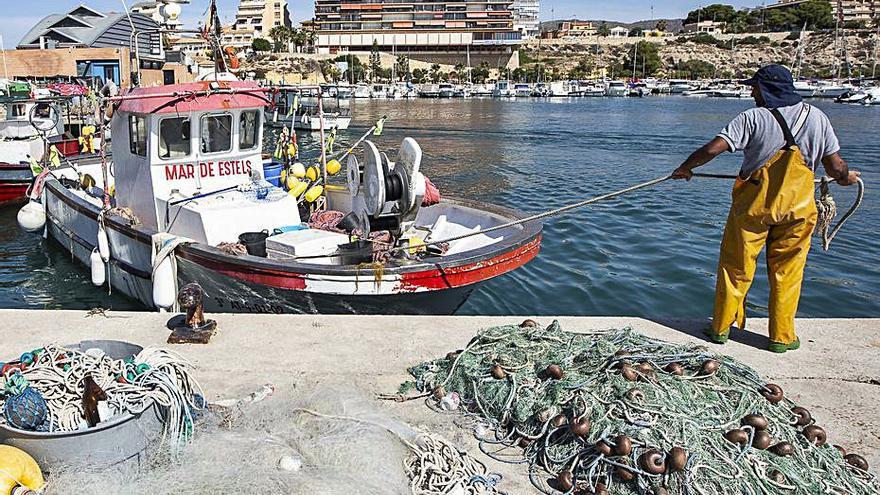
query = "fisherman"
{"x": 784, "y": 140}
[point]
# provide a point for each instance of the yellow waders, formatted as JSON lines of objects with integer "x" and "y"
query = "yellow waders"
{"x": 775, "y": 206}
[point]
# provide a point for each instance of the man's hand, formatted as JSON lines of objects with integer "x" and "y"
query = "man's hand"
{"x": 682, "y": 173}
{"x": 851, "y": 179}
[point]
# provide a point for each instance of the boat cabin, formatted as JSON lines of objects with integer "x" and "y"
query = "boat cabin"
{"x": 188, "y": 160}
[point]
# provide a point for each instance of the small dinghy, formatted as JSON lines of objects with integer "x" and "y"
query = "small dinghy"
{"x": 186, "y": 189}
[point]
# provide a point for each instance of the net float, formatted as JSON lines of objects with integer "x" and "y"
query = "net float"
{"x": 525, "y": 442}
{"x": 628, "y": 373}
{"x": 452, "y": 356}
{"x": 624, "y": 474}
{"x": 603, "y": 448}
{"x": 545, "y": 415}
{"x": 674, "y": 369}
{"x": 635, "y": 395}
{"x": 581, "y": 427}
{"x": 762, "y": 440}
{"x": 740, "y": 437}
{"x": 756, "y": 421}
{"x": 677, "y": 459}
{"x": 621, "y": 353}
{"x": 772, "y": 392}
{"x": 498, "y": 372}
{"x": 841, "y": 450}
{"x": 559, "y": 421}
{"x": 776, "y": 476}
{"x": 857, "y": 461}
{"x": 644, "y": 368}
{"x": 653, "y": 461}
{"x": 600, "y": 489}
{"x": 782, "y": 449}
{"x": 555, "y": 372}
{"x": 803, "y": 416}
{"x": 709, "y": 367}
{"x": 815, "y": 435}
{"x": 622, "y": 445}
{"x": 439, "y": 393}
{"x": 528, "y": 324}
{"x": 565, "y": 481}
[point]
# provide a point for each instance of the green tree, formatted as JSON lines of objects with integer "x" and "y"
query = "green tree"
{"x": 261, "y": 45}
{"x": 481, "y": 73}
{"x": 435, "y": 73}
{"x": 715, "y": 12}
{"x": 816, "y": 14}
{"x": 647, "y": 59}
{"x": 280, "y": 36}
{"x": 418, "y": 75}
{"x": 661, "y": 25}
{"x": 583, "y": 70}
{"x": 603, "y": 30}
{"x": 695, "y": 69}
{"x": 375, "y": 61}
{"x": 636, "y": 32}
{"x": 460, "y": 71}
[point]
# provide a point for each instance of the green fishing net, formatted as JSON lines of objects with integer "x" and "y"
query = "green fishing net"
{"x": 619, "y": 387}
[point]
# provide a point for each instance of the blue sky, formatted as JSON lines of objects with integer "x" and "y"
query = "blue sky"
{"x": 19, "y": 16}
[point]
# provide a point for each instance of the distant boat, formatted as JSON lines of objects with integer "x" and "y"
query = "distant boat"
{"x": 617, "y": 88}
{"x": 446, "y": 90}
{"x": 522, "y": 90}
{"x": 504, "y": 89}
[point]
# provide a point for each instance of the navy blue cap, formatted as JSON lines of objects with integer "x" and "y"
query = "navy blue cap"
{"x": 776, "y": 85}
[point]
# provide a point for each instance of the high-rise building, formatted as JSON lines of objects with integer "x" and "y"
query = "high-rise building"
{"x": 416, "y": 25}
{"x": 159, "y": 11}
{"x": 260, "y": 16}
{"x": 526, "y": 17}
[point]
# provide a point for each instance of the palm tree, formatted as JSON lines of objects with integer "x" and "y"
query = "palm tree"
{"x": 459, "y": 71}
{"x": 403, "y": 67}
{"x": 435, "y": 73}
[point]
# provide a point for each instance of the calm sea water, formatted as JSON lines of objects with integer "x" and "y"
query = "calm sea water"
{"x": 652, "y": 253}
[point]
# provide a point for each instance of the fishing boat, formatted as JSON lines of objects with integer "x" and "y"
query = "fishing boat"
{"x": 31, "y": 126}
{"x": 429, "y": 91}
{"x": 483, "y": 90}
{"x": 362, "y": 91}
{"x": 187, "y": 182}
{"x": 679, "y": 86}
{"x": 559, "y": 89}
{"x": 503, "y": 89}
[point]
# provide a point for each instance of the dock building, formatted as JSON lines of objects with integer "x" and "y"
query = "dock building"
{"x": 165, "y": 12}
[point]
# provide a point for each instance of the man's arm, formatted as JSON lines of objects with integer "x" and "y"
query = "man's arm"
{"x": 701, "y": 157}
{"x": 837, "y": 169}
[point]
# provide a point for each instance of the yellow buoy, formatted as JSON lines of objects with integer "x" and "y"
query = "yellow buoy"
{"x": 298, "y": 170}
{"x": 313, "y": 173}
{"x": 284, "y": 176}
{"x": 17, "y": 467}
{"x": 333, "y": 167}
{"x": 298, "y": 189}
{"x": 314, "y": 193}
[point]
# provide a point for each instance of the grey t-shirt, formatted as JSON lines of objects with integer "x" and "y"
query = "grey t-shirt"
{"x": 757, "y": 133}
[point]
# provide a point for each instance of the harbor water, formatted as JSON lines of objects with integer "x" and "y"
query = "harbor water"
{"x": 651, "y": 253}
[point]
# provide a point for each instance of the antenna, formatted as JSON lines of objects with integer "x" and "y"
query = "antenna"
{"x": 136, "y": 70}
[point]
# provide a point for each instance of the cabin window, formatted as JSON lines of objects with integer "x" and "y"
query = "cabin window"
{"x": 216, "y": 133}
{"x": 174, "y": 137}
{"x": 249, "y": 130}
{"x": 137, "y": 135}
{"x": 18, "y": 111}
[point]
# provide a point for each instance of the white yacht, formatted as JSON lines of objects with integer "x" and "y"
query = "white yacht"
{"x": 679, "y": 86}
{"x": 446, "y": 90}
{"x": 522, "y": 90}
{"x": 617, "y": 88}
{"x": 559, "y": 88}
{"x": 503, "y": 89}
{"x": 361, "y": 92}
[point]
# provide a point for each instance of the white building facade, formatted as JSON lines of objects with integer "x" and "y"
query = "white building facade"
{"x": 526, "y": 17}
{"x": 260, "y": 16}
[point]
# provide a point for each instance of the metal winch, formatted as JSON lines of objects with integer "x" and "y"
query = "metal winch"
{"x": 385, "y": 195}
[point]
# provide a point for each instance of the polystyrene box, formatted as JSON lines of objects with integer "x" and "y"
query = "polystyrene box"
{"x": 311, "y": 242}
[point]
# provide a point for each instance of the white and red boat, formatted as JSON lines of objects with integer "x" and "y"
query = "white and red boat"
{"x": 185, "y": 158}
{"x": 30, "y": 126}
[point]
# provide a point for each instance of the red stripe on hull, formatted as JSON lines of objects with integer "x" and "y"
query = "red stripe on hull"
{"x": 460, "y": 276}
{"x": 446, "y": 278}
{"x": 271, "y": 278}
{"x": 13, "y": 192}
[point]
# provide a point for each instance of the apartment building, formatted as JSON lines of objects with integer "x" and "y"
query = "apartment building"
{"x": 864, "y": 11}
{"x": 258, "y": 17}
{"x": 165, "y": 12}
{"x": 417, "y": 25}
{"x": 526, "y": 17}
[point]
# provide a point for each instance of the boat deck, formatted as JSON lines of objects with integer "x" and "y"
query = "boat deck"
{"x": 835, "y": 374}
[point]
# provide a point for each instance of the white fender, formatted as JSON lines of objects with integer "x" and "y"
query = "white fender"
{"x": 99, "y": 272}
{"x": 103, "y": 243}
{"x": 275, "y": 116}
{"x": 32, "y": 216}
{"x": 163, "y": 285}
{"x": 305, "y": 120}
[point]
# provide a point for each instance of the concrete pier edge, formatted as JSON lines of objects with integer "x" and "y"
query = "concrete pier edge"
{"x": 836, "y": 373}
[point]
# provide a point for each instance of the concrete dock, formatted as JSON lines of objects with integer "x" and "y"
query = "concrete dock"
{"x": 836, "y": 373}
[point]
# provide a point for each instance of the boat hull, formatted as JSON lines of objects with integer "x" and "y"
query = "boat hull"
{"x": 257, "y": 285}
{"x": 14, "y": 181}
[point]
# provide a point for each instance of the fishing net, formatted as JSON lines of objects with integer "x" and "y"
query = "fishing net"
{"x": 619, "y": 412}
{"x": 272, "y": 446}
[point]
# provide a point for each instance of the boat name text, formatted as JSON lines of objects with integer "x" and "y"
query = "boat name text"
{"x": 181, "y": 171}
